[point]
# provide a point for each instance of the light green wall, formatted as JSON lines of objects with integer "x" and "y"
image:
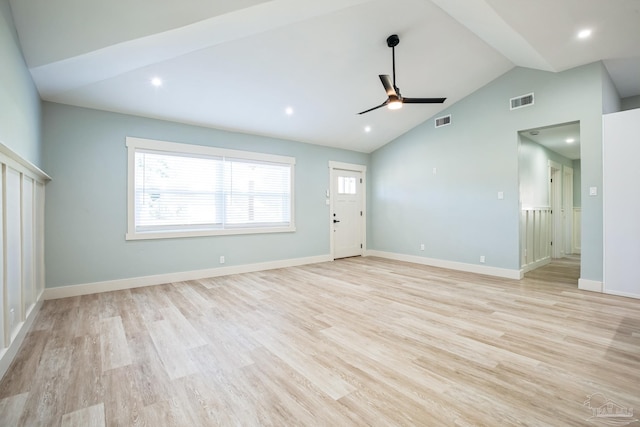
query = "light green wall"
{"x": 19, "y": 100}
{"x": 610, "y": 99}
{"x": 456, "y": 212}
{"x": 577, "y": 180}
{"x": 630, "y": 103}
{"x": 86, "y": 221}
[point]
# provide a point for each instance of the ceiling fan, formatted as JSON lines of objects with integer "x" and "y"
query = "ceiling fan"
{"x": 395, "y": 100}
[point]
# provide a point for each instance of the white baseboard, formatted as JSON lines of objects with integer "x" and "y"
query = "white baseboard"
{"x": 8, "y": 354}
{"x": 527, "y": 268}
{"x": 159, "y": 279}
{"x": 452, "y": 265}
{"x": 590, "y": 285}
{"x": 621, "y": 294}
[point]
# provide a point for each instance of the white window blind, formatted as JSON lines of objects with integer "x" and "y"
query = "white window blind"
{"x": 177, "y": 192}
{"x": 180, "y": 190}
{"x": 257, "y": 194}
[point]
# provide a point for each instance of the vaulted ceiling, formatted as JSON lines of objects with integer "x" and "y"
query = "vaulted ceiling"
{"x": 239, "y": 65}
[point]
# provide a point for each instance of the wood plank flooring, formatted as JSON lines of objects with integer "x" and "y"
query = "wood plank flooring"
{"x": 360, "y": 341}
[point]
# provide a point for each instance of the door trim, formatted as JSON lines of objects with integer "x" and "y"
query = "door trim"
{"x": 336, "y": 166}
{"x": 555, "y": 201}
{"x": 567, "y": 207}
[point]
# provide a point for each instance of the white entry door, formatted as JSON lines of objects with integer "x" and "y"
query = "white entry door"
{"x": 347, "y": 219}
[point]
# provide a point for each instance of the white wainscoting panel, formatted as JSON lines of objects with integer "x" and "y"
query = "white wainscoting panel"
{"x": 535, "y": 237}
{"x": 13, "y": 252}
{"x": 577, "y": 230}
{"x": 39, "y": 238}
{"x": 27, "y": 241}
{"x": 21, "y": 250}
{"x": 2, "y": 245}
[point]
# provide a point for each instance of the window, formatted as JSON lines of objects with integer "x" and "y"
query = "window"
{"x": 179, "y": 190}
{"x": 346, "y": 185}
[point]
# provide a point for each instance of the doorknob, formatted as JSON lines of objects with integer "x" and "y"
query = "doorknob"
{"x": 335, "y": 220}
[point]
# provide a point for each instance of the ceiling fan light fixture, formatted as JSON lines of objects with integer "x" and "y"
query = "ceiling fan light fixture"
{"x": 394, "y": 103}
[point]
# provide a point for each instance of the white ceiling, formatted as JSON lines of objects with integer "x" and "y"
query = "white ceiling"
{"x": 555, "y": 138}
{"x": 238, "y": 65}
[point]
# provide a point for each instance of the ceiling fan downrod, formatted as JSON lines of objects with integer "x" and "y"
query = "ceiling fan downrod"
{"x": 393, "y": 41}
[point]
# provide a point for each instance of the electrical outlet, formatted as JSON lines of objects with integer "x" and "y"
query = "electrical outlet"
{"x": 422, "y": 246}
{"x": 221, "y": 259}
{"x": 482, "y": 259}
{"x": 12, "y": 317}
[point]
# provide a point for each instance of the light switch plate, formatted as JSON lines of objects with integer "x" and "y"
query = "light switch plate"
{"x": 593, "y": 191}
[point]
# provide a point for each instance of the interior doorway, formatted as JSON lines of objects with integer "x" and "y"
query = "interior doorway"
{"x": 549, "y": 169}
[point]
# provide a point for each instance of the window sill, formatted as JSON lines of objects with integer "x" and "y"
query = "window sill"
{"x": 150, "y": 235}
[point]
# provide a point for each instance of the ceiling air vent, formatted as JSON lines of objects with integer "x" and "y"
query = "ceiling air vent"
{"x": 521, "y": 101}
{"x": 443, "y": 121}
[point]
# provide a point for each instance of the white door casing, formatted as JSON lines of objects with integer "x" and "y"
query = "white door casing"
{"x": 567, "y": 208}
{"x": 347, "y": 217}
{"x": 555, "y": 199}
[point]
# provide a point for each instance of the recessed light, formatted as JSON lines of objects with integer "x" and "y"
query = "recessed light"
{"x": 367, "y": 129}
{"x": 583, "y": 34}
{"x": 534, "y": 132}
{"x": 569, "y": 140}
{"x": 288, "y": 111}
{"x": 156, "y": 81}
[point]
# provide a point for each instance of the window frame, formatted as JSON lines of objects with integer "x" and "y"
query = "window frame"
{"x": 134, "y": 144}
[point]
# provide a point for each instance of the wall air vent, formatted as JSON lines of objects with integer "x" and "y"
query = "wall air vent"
{"x": 443, "y": 121}
{"x": 521, "y": 101}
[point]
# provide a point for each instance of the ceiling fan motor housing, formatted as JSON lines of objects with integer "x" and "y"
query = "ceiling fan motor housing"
{"x": 393, "y": 40}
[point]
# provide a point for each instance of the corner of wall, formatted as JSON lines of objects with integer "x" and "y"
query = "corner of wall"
{"x": 611, "y": 102}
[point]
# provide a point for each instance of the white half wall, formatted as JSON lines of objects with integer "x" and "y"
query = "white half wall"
{"x": 21, "y": 250}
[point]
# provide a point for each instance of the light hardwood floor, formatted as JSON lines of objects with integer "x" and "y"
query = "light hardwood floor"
{"x": 360, "y": 341}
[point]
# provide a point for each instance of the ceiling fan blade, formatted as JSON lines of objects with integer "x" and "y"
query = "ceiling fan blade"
{"x": 388, "y": 85}
{"x": 423, "y": 100}
{"x": 375, "y": 108}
